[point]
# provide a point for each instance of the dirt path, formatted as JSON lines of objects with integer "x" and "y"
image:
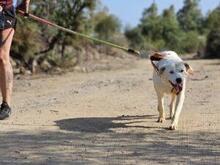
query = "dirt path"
{"x": 109, "y": 118}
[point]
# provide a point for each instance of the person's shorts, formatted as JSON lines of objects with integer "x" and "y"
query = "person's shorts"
{"x": 7, "y": 18}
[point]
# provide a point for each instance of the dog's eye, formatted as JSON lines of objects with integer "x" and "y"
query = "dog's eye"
{"x": 182, "y": 71}
{"x": 171, "y": 72}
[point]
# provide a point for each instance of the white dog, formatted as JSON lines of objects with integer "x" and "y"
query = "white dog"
{"x": 169, "y": 77}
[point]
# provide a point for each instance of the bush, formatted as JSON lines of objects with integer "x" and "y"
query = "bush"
{"x": 134, "y": 37}
{"x": 107, "y": 27}
{"x": 190, "y": 42}
{"x": 26, "y": 42}
{"x": 213, "y": 44}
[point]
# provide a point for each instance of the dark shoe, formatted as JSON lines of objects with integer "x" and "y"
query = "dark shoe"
{"x": 5, "y": 111}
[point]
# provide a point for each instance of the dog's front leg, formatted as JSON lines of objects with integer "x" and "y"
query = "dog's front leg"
{"x": 160, "y": 108}
{"x": 172, "y": 105}
{"x": 179, "y": 105}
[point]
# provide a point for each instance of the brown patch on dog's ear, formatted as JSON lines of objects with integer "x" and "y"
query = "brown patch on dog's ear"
{"x": 188, "y": 68}
{"x": 156, "y": 56}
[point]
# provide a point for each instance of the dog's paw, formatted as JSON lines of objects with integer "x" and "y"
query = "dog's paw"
{"x": 172, "y": 127}
{"x": 161, "y": 120}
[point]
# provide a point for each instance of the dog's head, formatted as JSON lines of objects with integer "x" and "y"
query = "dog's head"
{"x": 175, "y": 74}
{"x": 171, "y": 69}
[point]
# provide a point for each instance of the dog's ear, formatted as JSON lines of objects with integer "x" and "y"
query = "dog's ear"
{"x": 156, "y": 56}
{"x": 189, "y": 69}
{"x": 161, "y": 70}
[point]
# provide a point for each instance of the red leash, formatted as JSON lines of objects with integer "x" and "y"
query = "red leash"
{"x": 41, "y": 20}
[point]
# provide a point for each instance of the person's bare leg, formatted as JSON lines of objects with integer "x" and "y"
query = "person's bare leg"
{"x": 6, "y": 73}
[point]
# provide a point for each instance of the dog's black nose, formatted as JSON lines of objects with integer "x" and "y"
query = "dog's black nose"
{"x": 179, "y": 80}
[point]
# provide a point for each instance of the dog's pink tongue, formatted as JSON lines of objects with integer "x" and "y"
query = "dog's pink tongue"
{"x": 178, "y": 88}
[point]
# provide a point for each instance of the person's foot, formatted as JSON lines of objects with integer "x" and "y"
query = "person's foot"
{"x": 5, "y": 111}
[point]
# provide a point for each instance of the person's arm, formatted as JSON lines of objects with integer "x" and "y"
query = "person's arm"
{"x": 24, "y": 6}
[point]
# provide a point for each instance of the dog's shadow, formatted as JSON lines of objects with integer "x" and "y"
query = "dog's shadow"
{"x": 103, "y": 124}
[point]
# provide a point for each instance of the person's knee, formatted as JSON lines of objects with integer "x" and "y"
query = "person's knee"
{"x": 4, "y": 57}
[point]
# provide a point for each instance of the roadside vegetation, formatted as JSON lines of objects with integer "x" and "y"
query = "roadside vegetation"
{"x": 38, "y": 47}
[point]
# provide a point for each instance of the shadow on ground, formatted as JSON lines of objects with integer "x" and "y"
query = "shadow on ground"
{"x": 109, "y": 141}
{"x": 104, "y": 124}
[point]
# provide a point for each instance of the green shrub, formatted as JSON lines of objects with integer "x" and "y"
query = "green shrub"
{"x": 135, "y": 38}
{"x": 213, "y": 44}
{"x": 190, "y": 42}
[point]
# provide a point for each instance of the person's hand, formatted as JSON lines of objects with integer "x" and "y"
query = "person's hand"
{"x": 24, "y": 6}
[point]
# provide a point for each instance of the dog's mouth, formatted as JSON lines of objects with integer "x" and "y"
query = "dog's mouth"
{"x": 177, "y": 88}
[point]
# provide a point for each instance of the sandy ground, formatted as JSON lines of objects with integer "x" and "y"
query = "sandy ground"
{"x": 109, "y": 117}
